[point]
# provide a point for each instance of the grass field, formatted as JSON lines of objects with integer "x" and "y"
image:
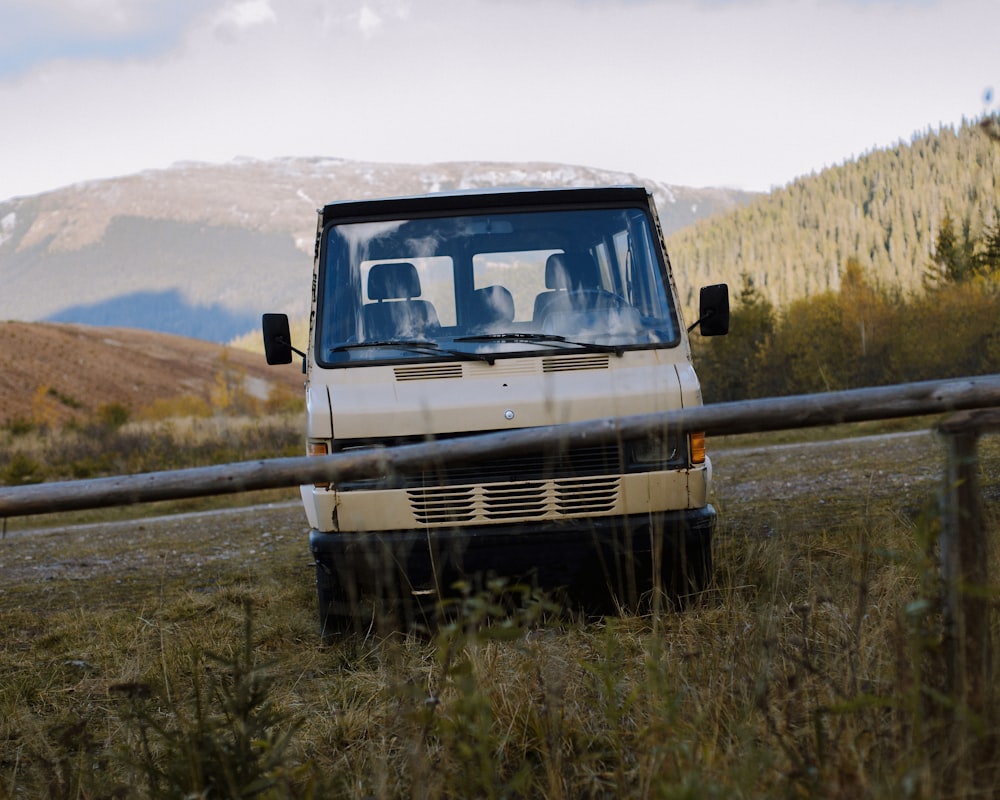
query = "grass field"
{"x": 178, "y": 657}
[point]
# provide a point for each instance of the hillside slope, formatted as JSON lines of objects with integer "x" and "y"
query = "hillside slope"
{"x": 60, "y": 371}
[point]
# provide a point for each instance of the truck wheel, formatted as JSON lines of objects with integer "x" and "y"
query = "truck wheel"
{"x": 687, "y": 568}
{"x": 334, "y": 618}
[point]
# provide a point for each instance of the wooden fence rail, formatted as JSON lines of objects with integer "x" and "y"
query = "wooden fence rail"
{"x": 779, "y": 413}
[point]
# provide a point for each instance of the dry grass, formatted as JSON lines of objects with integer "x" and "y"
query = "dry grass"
{"x": 54, "y": 374}
{"x": 814, "y": 668}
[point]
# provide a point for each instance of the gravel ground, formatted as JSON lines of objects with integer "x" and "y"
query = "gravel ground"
{"x": 193, "y": 543}
{"x": 883, "y": 466}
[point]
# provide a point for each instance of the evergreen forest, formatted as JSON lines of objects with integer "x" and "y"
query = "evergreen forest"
{"x": 882, "y": 270}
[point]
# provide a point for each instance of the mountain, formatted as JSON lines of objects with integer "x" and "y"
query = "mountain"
{"x": 201, "y": 250}
{"x": 883, "y": 209}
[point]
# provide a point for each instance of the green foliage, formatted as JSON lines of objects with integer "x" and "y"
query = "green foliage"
{"x": 228, "y": 739}
{"x": 987, "y": 255}
{"x": 950, "y": 333}
{"x": 953, "y": 259}
{"x": 112, "y": 415}
{"x": 458, "y": 713}
{"x": 22, "y": 469}
{"x": 861, "y": 335}
{"x": 728, "y": 364}
{"x": 811, "y": 352}
{"x": 956, "y": 260}
{"x": 19, "y": 426}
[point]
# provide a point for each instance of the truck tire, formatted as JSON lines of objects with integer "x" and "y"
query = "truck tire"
{"x": 334, "y": 619}
{"x": 687, "y": 565}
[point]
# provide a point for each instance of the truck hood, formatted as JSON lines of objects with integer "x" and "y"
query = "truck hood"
{"x": 429, "y": 399}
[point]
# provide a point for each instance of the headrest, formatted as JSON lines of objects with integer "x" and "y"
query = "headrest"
{"x": 557, "y": 271}
{"x": 571, "y": 271}
{"x": 398, "y": 280}
{"x": 492, "y": 304}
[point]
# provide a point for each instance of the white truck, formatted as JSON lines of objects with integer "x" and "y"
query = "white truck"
{"x": 447, "y": 315}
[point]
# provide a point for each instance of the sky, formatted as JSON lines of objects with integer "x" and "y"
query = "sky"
{"x": 747, "y": 94}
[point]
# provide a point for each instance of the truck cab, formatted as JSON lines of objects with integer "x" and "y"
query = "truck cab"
{"x": 448, "y": 315}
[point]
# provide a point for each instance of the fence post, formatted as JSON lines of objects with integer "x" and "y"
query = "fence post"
{"x": 968, "y": 645}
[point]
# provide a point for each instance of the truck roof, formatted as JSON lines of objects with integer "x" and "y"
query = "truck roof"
{"x": 508, "y": 199}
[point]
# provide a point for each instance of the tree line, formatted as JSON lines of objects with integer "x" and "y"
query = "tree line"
{"x": 865, "y": 333}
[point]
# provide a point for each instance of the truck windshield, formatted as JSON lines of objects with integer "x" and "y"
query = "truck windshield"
{"x": 504, "y": 285}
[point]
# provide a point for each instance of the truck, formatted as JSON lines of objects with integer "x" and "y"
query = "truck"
{"x": 454, "y": 314}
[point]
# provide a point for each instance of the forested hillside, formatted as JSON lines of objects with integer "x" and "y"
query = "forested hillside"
{"x": 884, "y": 209}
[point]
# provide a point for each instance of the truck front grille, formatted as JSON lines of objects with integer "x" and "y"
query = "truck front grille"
{"x": 557, "y": 464}
{"x": 515, "y": 500}
{"x": 572, "y": 463}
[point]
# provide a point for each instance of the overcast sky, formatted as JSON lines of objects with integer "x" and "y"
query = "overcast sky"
{"x": 741, "y": 93}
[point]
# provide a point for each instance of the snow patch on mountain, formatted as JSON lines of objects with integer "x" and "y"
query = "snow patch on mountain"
{"x": 7, "y": 225}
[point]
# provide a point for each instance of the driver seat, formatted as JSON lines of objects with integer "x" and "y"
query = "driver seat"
{"x": 396, "y": 312}
{"x": 565, "y": 274}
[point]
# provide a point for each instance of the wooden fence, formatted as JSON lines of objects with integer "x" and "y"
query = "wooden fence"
{"x": 778, "y": 413}
{"x": 968, "y": 597}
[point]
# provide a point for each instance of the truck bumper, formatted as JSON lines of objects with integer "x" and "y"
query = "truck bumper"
{"x": 601, "y": 563}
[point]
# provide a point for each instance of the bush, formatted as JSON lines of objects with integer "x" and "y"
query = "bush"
{"x": 19, "y": 426}
{"x": 230, "y": 740}
{"x": 112, "y": 415}
{"x": 858, "y": 336}
{"x": 22, "y": 470}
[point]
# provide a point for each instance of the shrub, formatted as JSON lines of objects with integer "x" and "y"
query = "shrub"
{"x": 230, "y": 741}
{"x": 22, "y": 469}
{"x": 19, "y": 426}
{"x": 112, "y": 415}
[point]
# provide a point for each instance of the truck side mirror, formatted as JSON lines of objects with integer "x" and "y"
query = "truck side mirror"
{"x": 713, "y": 310}
{"x": 277, "y": 339}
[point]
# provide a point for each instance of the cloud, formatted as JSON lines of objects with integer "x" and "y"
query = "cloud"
{"x": 744, "y": 93}
{"x": 371, "y": 17}
{"x": 244, "y": 14}
{"x": 35, "y": 32}
{"x": 368, "y": 21}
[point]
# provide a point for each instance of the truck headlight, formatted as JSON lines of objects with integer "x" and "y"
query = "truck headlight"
{"x": 658, "y": 450}
{"x": 668, "y": 451}
{"x": 318, "y": 447}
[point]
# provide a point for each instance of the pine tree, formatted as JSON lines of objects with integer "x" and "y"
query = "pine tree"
{"x": 729, "y": 365}
{"x": 986, "y": 260}
{"x": 952, "y": 260}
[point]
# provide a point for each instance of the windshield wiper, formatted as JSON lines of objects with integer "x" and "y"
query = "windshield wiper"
{"x": 523, "y": 336}
{"x": 512, "y": 336}
{"x": 417, "y": 345}
{"x": 402, "y": 344}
